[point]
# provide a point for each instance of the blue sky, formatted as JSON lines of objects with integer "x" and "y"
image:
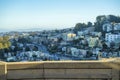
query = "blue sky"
{"x": 19, "y": 14}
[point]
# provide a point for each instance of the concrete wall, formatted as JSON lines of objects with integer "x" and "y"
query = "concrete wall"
{"x": 59, "y": 70}
{"x": 3, "y": 71}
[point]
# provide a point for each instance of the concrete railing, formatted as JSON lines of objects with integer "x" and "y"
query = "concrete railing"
{"x": 61, "y": 70}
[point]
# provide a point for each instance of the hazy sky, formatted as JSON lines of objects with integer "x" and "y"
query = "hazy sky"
{"x": 18, "y": 14}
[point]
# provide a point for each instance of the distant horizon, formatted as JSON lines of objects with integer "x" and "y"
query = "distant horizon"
{"x": 30, "y": 29}
{"x": 53, "y": 14}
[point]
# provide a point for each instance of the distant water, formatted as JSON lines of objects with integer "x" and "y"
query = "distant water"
{"x": 24, "y": 30}
{"x": 4, "y": 30}
{"x": 31, "y": 29}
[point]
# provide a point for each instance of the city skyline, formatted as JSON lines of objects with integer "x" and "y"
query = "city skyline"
{"x": 55, "y": 14}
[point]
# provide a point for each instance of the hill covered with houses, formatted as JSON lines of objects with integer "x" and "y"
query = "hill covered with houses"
{"x": 91, "y": 41}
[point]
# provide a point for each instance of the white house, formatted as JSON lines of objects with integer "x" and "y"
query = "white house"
{"x": 92, "y": 41}
{"x": 80, "y": 33}
{"x": 74, "y": 51}
{"x": 112, "y": 37}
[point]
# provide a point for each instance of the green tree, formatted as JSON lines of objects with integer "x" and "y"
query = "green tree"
{"x": 53, "y": 49}
{"x": 1, "y": 39}
{"x": 104, "y": 46}
{"x": 4, "y": 42}
{"x": 1, "y": 45}
{"x": 113, "y": 18}
{"x": 5, "y": 38}
{"x": 89, "y": 24}
{"x": 100, "y": 20}
{"x": 79, "y": 26}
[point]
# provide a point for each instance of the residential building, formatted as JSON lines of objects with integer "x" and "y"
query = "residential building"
{"x": 107, "y": 27}
{"x": 68, "y": 36}
{"x": 80, "y": 33}
{"x": 71, "y": 36}
{"x": 117, "y": 26}
{"x": 74, "y": 51}
{"x": 109, "y": 37}
{"x": 92, "y": 41}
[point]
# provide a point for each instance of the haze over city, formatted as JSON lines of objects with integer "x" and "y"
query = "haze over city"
{"x": 52, "y": 14}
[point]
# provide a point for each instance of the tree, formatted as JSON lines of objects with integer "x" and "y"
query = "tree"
{"x": 119, "y": 47}
{"x": 4, "y": 42}
{"x": 100, "y": 20}
{"x": 22, "y": 40}
{"x": 57, "y": 31}
{"x": 53, "y": 49}
{"x": 1, "y": 53}
{"x": 6, "y": 50}
{"x": 60, "y": 39}
{"x": 112, "y": 44}
{"x": 5, "y": 38}
{"x": 76, "y": 41}
{"x": 1, "y": 45}
{"x": 16, "y": 49}
{"x": 35, "y": 48}
{"x": 1, "y": 39}
{"x": 104, "y": 45}
{"x": 89, "y": 24}
{"x": 89, "y": 54}
{"x": 27, "y": 48}
{"x": 113, "y": 18}
{"x": 79, "y": 26}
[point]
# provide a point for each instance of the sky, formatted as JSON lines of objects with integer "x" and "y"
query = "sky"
{"x": 55, "y": 14}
